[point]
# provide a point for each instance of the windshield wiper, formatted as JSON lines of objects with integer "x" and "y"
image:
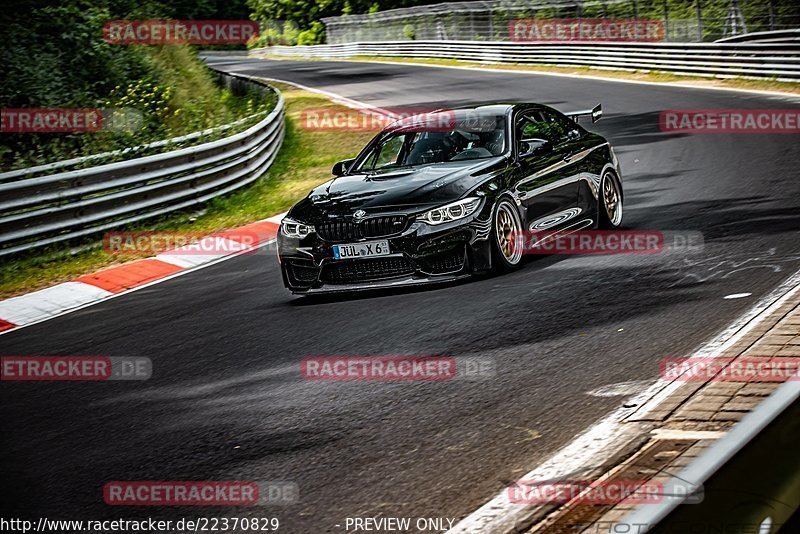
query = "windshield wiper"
{"x": 389, "y": 170}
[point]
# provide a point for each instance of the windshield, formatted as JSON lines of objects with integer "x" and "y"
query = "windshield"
{"x": 439, "y": 138}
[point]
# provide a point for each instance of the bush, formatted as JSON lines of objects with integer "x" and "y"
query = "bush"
{"x": 55, "y": 57}
{"x": 313, "y": 35}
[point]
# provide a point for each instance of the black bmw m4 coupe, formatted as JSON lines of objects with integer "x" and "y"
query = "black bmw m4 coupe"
{"x": 441, "y": 196}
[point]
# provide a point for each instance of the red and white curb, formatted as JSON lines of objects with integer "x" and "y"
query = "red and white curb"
{"x": 92, "y": 288}
{"x": 89, "y": 289}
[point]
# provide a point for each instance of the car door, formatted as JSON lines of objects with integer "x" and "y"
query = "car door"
{"x": 547, "y": 184}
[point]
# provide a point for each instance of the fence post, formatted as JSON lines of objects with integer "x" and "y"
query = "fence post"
{"x": 771, "y": 15}
{"x": 491, "y": 22}
{"x": 472, "y": 25}
{"x": 699, "y": 7}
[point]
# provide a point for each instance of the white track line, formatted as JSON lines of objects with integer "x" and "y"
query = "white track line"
{"x": 603, "y": 78}
{"x": 106, "y": 298}
{"x": 788, "y": 96}
{"x": 731, "y": 335}
{"x": 602, "y": 441}
{"x": 337, "y": 98}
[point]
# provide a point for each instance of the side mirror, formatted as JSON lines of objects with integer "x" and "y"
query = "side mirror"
{"x": 528, "y": 147}
{"x": 340, "y": 167}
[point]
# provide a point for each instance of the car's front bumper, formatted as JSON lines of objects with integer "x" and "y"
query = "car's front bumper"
{"x": 419, "y": 255}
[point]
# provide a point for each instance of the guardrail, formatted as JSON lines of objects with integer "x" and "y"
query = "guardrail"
{"x": 775, "y": 36}
{"x": 771, "y": 60}
{"x": 749, "y": 477}
{"x": 40, "y": 207}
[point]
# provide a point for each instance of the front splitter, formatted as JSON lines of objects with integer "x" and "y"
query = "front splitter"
{"x": 393, "y": 283}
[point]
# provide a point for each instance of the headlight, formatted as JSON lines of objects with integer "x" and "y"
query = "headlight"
{"x": 451, "y": 212}
{"x": 292, "y": 228}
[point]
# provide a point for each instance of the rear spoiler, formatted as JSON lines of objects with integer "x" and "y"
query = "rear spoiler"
{"x": 595, "y": 113}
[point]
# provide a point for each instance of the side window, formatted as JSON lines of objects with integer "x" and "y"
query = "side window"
{"x": 390, "y": 151}
{"x": 543, "y": 124}
{"x": 564, "y": 126}
{"x": 530, "y": 128}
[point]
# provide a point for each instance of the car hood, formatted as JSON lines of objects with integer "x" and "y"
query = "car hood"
{"x": 401, "y": 190}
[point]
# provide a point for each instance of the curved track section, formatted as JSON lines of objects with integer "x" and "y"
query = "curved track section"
{"x": 226, "y": 400}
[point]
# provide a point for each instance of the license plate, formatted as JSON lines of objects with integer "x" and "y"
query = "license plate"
{"x": 361, "y": 250}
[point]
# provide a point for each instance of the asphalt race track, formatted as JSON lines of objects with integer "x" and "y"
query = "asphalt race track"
{"x": 227, "y": 402}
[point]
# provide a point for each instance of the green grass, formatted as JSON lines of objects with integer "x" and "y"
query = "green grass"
{"x": 304, "y": 161}
{"x": 179, "y": 96}
{"x": 196, "y": 101}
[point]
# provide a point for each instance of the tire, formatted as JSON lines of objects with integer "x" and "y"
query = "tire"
{"x": 506, "y": 252}
{"x": 610, "y": 203}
